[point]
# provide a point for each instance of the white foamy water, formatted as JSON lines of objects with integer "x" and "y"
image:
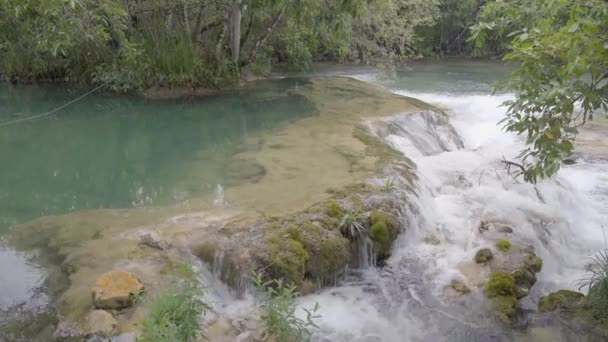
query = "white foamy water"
{"x": 458, "y": 187}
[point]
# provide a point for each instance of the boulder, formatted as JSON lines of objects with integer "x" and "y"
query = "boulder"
{"x": 100, "y": 323}
{"x": 459, "y": 287}
{"x": 562, "y": 299}
{"x": 153, "y": 240}
{"x": 483, "y": 255}
{"x": 115, "y": 290}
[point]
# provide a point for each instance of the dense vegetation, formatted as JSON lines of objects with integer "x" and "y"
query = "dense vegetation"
{"x": 561, "y": 50}
{"x": 560, "y": 47}
{"x": 134, "y": 44}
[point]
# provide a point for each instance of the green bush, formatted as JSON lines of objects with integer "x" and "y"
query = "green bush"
{"x": 597, "y": 284}
{"x": 279, "y": 311}
{"x": 175, "y": 316}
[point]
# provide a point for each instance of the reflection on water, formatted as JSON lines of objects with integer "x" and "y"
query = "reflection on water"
{"x": 108, "y": 152}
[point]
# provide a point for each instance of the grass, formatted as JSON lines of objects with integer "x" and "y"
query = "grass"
{"x": 352, "y": 224}
{"x": 597, "y": 283}
{"x": 389, "y": 185}
{"x": 279, "y": 311}
{"x": 175, "y": 316}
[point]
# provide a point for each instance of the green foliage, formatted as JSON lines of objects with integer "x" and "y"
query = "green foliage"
{"x": 333, "y": 210}
{"x": 597, "y": 284}
{"x": 389, "y": 185}
{"x": 59, "y": 39}
{"x": 279, "y": 311}
{"x": 503, "y": 245}
{"x": 561, "y": 80}
{"x": 353, "y": 223}
{"x": 449, "y": 33}
{"x": 175, "y": 316}
{"x": 133, "y": 45}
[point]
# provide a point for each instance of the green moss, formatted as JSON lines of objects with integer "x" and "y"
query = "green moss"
{"x": 500, "y": 284}
{"x": 286, "y": 259}
{"x": 562, "y": 299}
{"x": 328, "y": 252}
{"x": 534, "y": 263}
{"x": 384, "y": 230}
{"x": 504, "y": 246}
{"x": 381, "y": 237}
{"x": 390, "y": 220}
{"x": 505, "y": 307}
{"x": 334, "y": 256}
{"x": 333, "y": 210}
{"x": 502, "y": 292}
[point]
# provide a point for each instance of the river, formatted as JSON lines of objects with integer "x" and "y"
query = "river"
{"x": 121, "y": 152}
{"x": 563, "y": 218}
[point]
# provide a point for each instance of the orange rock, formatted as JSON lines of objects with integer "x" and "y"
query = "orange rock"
{"x": 115, "y": 290}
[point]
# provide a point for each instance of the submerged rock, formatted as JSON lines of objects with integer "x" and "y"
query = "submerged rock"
{"x": 100, "y": 323}
{"x": 562, "y": 299}
{"x": 115, "y": 290}
{"x": 460, "y": 287}
{"x": 483, "y": 255}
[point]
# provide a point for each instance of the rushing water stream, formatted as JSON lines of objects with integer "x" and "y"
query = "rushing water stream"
{"x": 125, "y": 152}
{"x": 459, "y": 187}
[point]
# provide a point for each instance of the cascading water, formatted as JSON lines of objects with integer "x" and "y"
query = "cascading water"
{"x": 462, "y": 182}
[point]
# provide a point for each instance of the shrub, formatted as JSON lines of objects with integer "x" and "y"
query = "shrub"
{"x": 175, "y": 316}
{"x": 279, "y": 311}
{"x": 597, "y": 284}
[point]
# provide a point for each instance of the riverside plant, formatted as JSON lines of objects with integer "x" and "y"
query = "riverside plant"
{"x": 279, "y": 311}
{"x": 597, "y": 283}
{"x": 352, "y": 224}
{"x": 175, "y": 315}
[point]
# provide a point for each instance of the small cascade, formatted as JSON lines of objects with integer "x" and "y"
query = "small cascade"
{"x": 459, "y": 182}
{"x": 364, "y": 253}
{"x": 427, "y": 133}
{"x": 218, "y": 200}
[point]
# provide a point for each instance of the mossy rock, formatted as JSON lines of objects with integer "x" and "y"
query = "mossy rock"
{"x": 230, "y": 272}
{"x": 384, "y": 230}
{"x": 505, "y": 307}
{"x": 524, "y": 280}
{"x": 432, "y": 239}
{"x": 562, "y": 299}
{"x": 500, "y": 284}
{"x": 483, "y": 255}
{"x": 534, "y": 263}
{"x": 504, "y": 246}
{"x": 502, "y": 291}
{"x": 333, "y": 210}
{"x": 329, "y": 252}
{"x": 286, "y": 259}
{"x": 460, "y": 287}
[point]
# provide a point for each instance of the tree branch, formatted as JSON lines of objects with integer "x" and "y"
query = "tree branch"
{"x": 262, "y": 41}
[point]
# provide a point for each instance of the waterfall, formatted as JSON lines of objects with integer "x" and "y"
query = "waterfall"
{"x": 460, "y": 183}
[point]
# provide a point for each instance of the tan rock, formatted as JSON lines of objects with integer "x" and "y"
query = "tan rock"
{"x": 100, "y": 322}
{"x": 115, "y": 290}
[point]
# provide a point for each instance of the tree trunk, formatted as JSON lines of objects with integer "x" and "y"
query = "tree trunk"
{"x": 262, "y": 41}
{"x": 187, "y": 18}
{"x": 235, "y": 32}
